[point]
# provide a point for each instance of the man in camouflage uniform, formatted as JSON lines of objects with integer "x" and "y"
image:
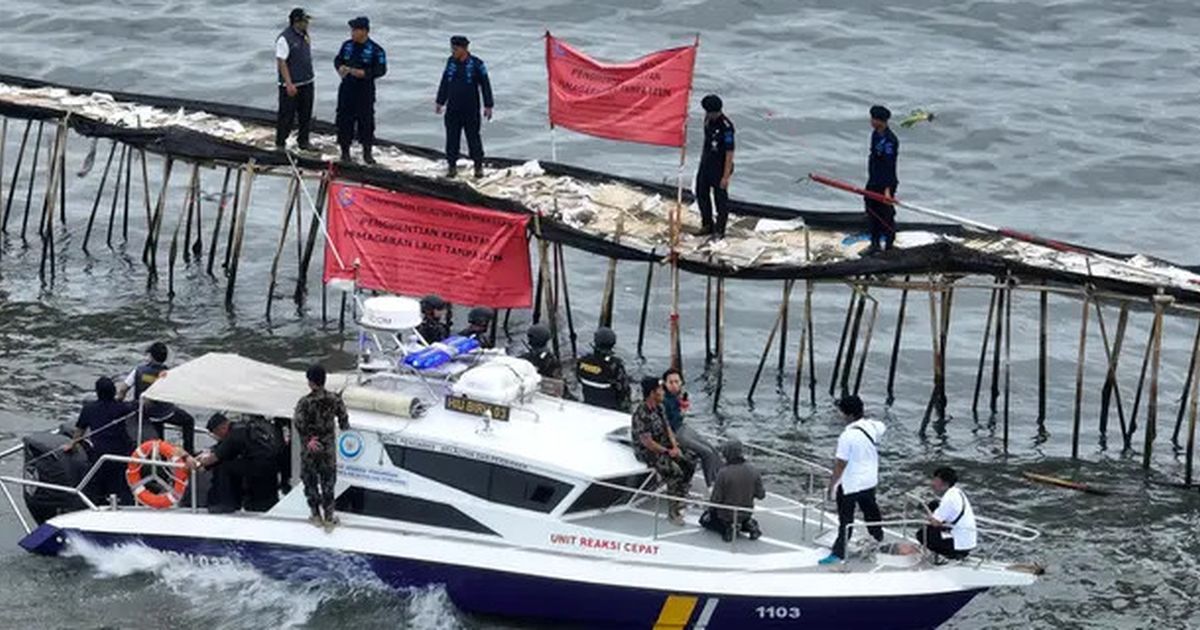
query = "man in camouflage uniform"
{"x": 654, "y": 444}
{"x": 315, "y": 417}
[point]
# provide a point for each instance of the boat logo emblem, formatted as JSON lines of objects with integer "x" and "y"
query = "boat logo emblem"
{"x": 350, "y": 445}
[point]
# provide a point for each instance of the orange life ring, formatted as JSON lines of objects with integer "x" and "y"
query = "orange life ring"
{"x": 159, "y": 450}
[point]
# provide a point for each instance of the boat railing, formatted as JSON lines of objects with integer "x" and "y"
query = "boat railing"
{"x": 77, "y": 489}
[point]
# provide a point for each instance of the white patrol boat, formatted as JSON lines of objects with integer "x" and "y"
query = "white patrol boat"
{"x": 521, "y": 504}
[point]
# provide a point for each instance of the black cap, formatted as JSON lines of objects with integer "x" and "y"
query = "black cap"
{"x": 850, "y": 405}
{"x": 460, "y": 40}
{"x": 298, "y": 14}
{"x": 711, "y": 103}
{"x": 538, "y": 335}
{"x": 216, "y": 420}
{"x": 361, "y": 21}
{"x": 649, "y": 384}
{"x": 879, "y": 112}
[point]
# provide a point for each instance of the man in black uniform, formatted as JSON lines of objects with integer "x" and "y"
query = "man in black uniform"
{"x": 158, "y": 413}
{"x": 716, "y": 167}
{"x": 433, "y": 326}
{"x": 243, "y": 464}
{"x": 881, "y": 178}
{"x": 539, "y": 354}
{"x": 359, "y": 62}
{"x": 479, "y": 326}
{"x": 464, "y": 78}
{"x": 602, "y": 374}
{"x": 100, "y": 422}
{"x": 293, "y": 60}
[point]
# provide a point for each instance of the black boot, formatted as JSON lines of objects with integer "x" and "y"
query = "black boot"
{"x": 452, "y": 170}
{"x": 367, "y": 157}
{"x": 346, "y": 154}
{"x": 479, "y": 170}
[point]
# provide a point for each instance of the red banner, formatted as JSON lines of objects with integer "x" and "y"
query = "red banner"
{"x": 645, "y": 100}
{"x": 413, "y": 245}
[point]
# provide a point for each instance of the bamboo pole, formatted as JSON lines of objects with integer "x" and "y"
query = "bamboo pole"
{"x": 1195, "y": 395}
{"x": 46, "y": 224}
{"x": 198, "y": 201}
{"x": 127, "y": 151}
{"x": 837, "y": 362}
{"x": 289, "y": 208}
{"x": 87, "y": 234}
{"x": 1007, "y": 363}
{"x": 944, "y": 342}
{"x": 983, "y": 351}
{"x": 216, "y": 233}
{"x": 646, "y": 307}
{"x": 1137, "y": 396}
{"x": 112, "y": 210}
{"x": 708, "y": 319}
{"x": 783, "y": 328}
{"x": 812, "y": 341}
{"x": 720, "y": 342}
{"x": 762, "y": 361}
{"x": 189, "y": 206}
{"x": 146, "y": 190}
{"x": 3, "y": 151}
{"x": 997, "y": 341}
{"x": 1043, "y": 363}
{"x": 891, "y": 382}
{"x": 852, "y": 345}
{"x": 37, "y": 149}
{"x": 1151, "y": 432}
{"x": 240, "y": 236}
{"x": 150, "y": 251}
{"x": 1083, "y": 325}
{"x": 862, "y": 362}
{"x": 62, "y": 180}
{"x": 572, "y": 336}
{"x": 1187, "y": 385}
{"x": 1113, "y": 356}
{"x": 311, "y": 241}
{"x": 800, "y": 353}
{"x": 12, "y": 188}
{"x": 185, "y": 211}
{"x": 935, "y": 340}
{"x": 551, "y": 301}
{"x": 233, "y": 220}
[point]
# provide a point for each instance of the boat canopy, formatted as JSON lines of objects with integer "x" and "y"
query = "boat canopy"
{"x": 236, "y": 384}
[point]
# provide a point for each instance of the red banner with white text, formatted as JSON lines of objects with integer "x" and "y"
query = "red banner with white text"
{"x": 645, "y": 100}
{"x": 413, "y": 245}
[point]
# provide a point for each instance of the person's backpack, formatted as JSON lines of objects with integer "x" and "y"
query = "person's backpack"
{"x": 264, "y": 439}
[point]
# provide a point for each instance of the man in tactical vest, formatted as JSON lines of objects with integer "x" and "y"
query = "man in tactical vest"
{"x": 602, "y": 374}
{"x": 359, "y": 62}
{"x": 434, "y": 327}
{"x": 539, "y": 354}
{"x": 293, "y": 60}
{"x": 479, "y": 326}
{"x": 158, "y": 413}
{"x": 243, "y": 464}
{"x": 464, "y": 80}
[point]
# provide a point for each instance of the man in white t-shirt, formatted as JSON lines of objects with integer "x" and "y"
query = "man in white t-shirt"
{"x": 855, "y": 474}
{"x": 951, "y": 529}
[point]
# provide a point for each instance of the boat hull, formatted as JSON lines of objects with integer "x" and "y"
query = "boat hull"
{"x": 482, "y": 591}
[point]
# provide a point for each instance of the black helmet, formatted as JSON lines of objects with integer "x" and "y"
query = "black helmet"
{"x": 432, "y": 302}
{"x": 538, "y": 335}
{"x": 604, "y": 339}
{"x": 481, "y": 316}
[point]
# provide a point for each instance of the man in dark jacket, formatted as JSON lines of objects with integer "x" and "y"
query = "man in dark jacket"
{"x": 539, "y": 353}
{"x": 881, "y": 178}
{"x": 293, "y": 61}
{"x": 479, "y": 326}
{"x": 244, "y": 465}
{"x": 359, "y": 62}
{"x": 433, "y": 326}
{"x": 738, "y": 484}
{"x": 716, "y": 168}
{"x": 463, "y": 81}
{"x": 101, "y": 422}
{"x": 158, "y": 413}
{"x": 601, "y": 373}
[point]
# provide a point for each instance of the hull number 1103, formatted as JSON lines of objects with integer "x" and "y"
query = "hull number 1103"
{"x": 778, "y": 612}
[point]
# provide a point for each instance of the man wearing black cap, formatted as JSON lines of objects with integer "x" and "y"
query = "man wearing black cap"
{"x": 716, "y": 167}
{"x": 601, "y": 373}
{"x": 881, "y": 178}
{"x": 463, "y": 80}
{"x": 359, "y": 62}
{"x": 244, "y": 465}
{"x": 293, "y": 60}
{"x": 654, "y": 445}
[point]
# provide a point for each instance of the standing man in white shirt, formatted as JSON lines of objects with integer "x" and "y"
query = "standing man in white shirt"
{"x": 293, "y": 61}
{"x": 951, "y": 529}
{"x": 855, "y": 474}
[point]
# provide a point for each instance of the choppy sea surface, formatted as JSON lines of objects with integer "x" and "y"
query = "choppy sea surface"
{"x": 1071, "y": 119}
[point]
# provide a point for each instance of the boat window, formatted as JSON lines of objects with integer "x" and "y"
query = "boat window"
{"x": 598, "y": 497}
{"x": 397, "y": 507}
{"x": 493, "y": 482}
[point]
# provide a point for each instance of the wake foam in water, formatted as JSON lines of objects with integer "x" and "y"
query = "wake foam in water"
{"x": 222, "y": 593}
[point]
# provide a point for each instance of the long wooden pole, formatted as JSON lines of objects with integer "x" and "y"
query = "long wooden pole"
{"x": 310, "y": 242}
{"x": 800, "y": 355}
{"x": 1083, "y": 326}
{"x": 12, "y": 188}
{"x": 646, "y": 307}
{"x": 1043, "y": 362}
{"x": 1113, "y": 354}
{"x": 240, "y": 236}
{"x": 852, "y": 345}
{"x": 997, "y": 341}
{"x": 983, "y": 350}
{"x": 1187, "y": 386}
{"x": 1137, "y": 396}
{"x": 1160, "y": 304}
{"x": 1195, "y": 396}
{"x": 783, "y": 328}
{"x": 233, "y": 220}
{"x": 122, "y": 169}
{"x": 216, "y": 233}
{"x": 289, "y": 208}
{"x": 862, "y": 362}
{"x": 37, "y": 149}
{"x": 762, "y": 361}
{"x": 891, "y": 382}
{"x": 1007, "y": 364}
{"x": 87, "y": 234}
{"x": 837, "y": 361}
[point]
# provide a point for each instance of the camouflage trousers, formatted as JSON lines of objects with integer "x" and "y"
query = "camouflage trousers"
{"x": 675, "y": 473}
{"x": 318, "y": 471}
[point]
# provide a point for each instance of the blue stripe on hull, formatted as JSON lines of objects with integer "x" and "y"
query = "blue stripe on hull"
{"x": 496, "y": 593}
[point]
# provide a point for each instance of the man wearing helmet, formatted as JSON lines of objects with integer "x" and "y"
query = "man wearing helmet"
{"x": 479, "y": 326}
{"x": 602, "y": 374}
{"x": 434, "y": 327}
{"x": 539, "y": 353}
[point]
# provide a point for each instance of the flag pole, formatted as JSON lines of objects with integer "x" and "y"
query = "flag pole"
{"x": 549, "y": 101}
{"x": 676, "y": 225}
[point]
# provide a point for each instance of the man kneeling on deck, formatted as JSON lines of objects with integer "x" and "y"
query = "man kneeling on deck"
{"x": 738, "y": 484}
{"x": 654, "y": 444}
{"x": 951, "y": 529}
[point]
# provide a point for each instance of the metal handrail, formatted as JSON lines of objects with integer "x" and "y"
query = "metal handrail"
{"x": 77, "y": 490}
